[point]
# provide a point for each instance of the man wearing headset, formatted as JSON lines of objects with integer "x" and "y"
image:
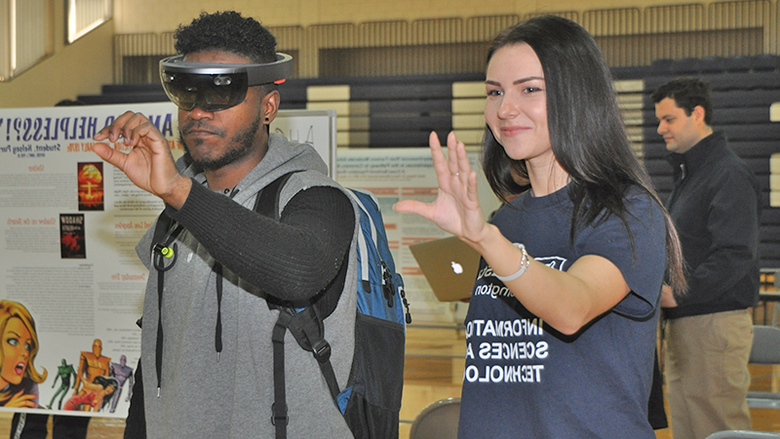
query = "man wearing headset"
{"x": 209, "y": 308}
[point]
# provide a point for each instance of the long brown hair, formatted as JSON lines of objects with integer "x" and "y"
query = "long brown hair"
{"x": 587, "y": 133}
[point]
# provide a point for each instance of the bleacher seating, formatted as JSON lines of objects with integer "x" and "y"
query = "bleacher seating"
{"x": 400, "y": 111}
{"x": 394, "y": 111}
{"x": 743, "y": 89}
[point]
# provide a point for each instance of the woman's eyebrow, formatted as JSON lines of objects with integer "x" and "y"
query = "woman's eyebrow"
{"x": 517, "y": 81}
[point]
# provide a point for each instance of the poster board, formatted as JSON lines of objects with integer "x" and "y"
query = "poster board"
{"x": 69, "y": 227}
{"x": 70, "y": 224}
{"x": 392, "y": 174}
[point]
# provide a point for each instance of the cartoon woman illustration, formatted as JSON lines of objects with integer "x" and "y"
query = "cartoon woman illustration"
{"x": 97, "y": 396}
{"x": 18, "y": 346}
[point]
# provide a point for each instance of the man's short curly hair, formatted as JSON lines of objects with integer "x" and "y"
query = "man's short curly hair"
{"x": 687, "y": 93}
{"x": 227, "y": 31}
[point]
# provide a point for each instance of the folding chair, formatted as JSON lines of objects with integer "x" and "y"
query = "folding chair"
{"x": 743, "y": 434}
{"x": 437, "y": 421}
{"x": 765, "y": 350}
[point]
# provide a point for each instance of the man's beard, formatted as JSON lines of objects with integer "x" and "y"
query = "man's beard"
{"x": 240, "y": 145}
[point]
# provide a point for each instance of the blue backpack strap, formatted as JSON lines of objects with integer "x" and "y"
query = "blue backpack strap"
{"x": 373, "y": 246}
{"x": 304, "y": 324}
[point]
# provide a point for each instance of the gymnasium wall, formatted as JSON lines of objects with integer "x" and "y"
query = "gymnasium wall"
{"x": 347, "y": 37}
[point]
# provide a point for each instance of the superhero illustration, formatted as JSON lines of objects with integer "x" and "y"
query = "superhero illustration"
{"x": 123, "y": 373}
{"x": 64, "y": 373}
{"x": 93, "y": 383}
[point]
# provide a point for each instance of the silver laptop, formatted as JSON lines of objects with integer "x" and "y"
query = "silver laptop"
{"x": 449, "y": 265}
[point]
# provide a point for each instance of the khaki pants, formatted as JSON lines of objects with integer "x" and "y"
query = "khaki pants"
{"x": 706, "y": 373}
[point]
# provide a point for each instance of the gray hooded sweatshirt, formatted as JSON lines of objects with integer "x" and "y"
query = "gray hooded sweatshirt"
{"x": 203, "y": 394}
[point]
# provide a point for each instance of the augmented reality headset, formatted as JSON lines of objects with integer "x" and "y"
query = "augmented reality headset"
{"x": 215, "y": 86}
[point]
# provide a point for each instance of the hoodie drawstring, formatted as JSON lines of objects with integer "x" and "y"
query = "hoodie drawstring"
{"x": 161, "y": 252}
{"x": 218, "y": 271}
{"x": 218, "y": 329}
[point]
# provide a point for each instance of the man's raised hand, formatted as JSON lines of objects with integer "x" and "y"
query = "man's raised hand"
{"x": 149, "y": 164}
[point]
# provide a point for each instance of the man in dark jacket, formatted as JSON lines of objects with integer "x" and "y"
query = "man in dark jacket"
{"x": 715, "y": 205}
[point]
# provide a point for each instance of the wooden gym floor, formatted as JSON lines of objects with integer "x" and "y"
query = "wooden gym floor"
{"x": 434, "y": 367}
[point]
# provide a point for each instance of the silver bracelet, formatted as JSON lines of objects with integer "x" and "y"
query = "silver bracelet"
{"x": 524, "y": 263}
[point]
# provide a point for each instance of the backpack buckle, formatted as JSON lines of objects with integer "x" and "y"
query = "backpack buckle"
{"x": 387, "y": 285}
{"x": 281, "y": 416}
{"x": 322, "y": 351}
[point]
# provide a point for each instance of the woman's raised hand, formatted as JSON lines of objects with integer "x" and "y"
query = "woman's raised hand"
{"x": 456, "y": 209}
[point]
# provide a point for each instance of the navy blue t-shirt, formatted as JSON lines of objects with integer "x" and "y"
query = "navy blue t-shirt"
{"x": 525, "y": 380}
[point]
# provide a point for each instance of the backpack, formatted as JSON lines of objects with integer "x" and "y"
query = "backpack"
{"x": 371, "y": 399}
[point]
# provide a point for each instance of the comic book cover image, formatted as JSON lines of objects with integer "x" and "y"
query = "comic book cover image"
{"x": 94, "y": 385}
{"x": 90, "y": 180}
{"x": 72, "y": 236}
{"x": 19, "y": 377}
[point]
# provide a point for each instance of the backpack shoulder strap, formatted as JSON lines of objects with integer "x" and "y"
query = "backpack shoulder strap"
{"x": 267, "y": 200}
{"x": 305, "y": 324}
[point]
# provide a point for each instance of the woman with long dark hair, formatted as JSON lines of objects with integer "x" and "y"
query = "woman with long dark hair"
{"x": 561, "y": 326}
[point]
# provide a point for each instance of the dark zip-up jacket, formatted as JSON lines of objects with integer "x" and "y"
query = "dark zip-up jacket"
{"x": 715, "y": 205}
